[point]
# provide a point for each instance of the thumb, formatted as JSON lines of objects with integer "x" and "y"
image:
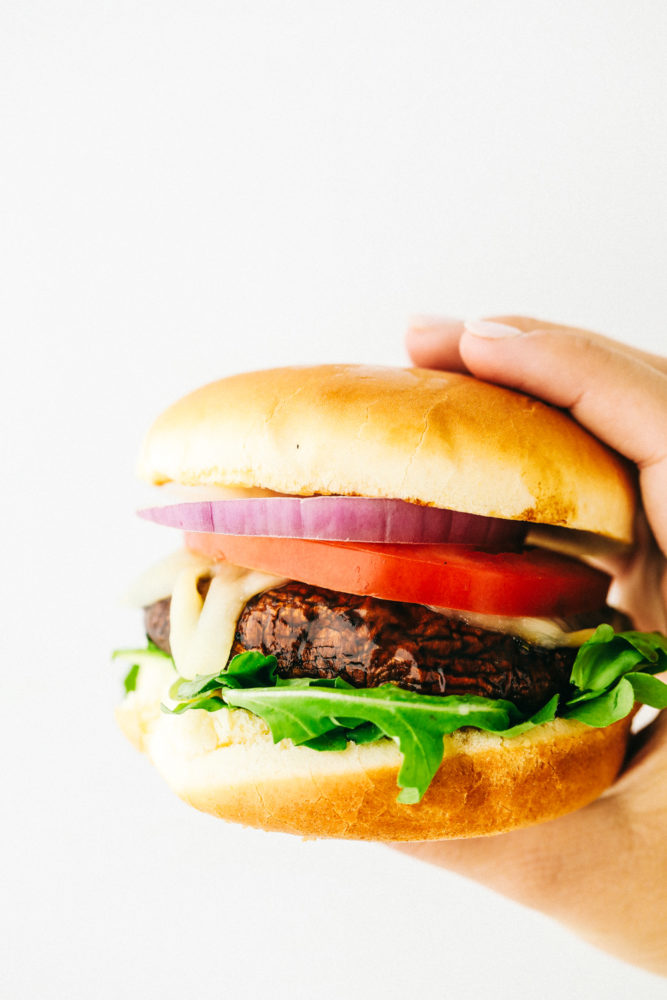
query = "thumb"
{"x": 620, "y": 398}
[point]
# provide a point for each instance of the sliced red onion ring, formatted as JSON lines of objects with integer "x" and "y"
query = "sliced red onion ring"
{"x": 338, "y": 519}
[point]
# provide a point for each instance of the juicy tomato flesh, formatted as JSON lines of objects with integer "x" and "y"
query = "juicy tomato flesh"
{"x": 534, "y": 583}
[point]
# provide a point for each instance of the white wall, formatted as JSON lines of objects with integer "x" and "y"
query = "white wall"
{"x": 189, "y": 189}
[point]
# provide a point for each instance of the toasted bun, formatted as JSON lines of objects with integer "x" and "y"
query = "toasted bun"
{"x": 225, "y": 763}
{"x": 429, "y": 437}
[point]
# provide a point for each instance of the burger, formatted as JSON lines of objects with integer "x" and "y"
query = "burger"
{"x": 376, "y": 627}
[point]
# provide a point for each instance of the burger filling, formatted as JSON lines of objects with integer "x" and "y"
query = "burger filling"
{"x": 324, "y": 668}
{"x": 318, "y": 633}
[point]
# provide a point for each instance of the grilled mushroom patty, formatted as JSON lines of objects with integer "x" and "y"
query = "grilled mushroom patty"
{"x": 314, "y": 632}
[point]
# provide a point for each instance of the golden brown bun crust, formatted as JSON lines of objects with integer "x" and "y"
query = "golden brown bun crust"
{"x": 485, "y": 785}
{"x": 428, "y": 437}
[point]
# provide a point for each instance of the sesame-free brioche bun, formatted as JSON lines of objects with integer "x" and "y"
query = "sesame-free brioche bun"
{"x": 435, "y": 438}
{"x": 226, "y": 764}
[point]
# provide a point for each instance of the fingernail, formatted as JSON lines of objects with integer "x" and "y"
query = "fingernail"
{"x": 490, "y": 330}
{"x": 425, "y": 324}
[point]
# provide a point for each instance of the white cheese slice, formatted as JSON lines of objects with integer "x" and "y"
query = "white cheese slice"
{"x": 545, "y": 632}
{"x": 202, "y": 631}
{"x": 172, "y": 493}
{"x": 209, "y": 644}
{"x": 159, "y": 580}
{"x": 184, "y": 614}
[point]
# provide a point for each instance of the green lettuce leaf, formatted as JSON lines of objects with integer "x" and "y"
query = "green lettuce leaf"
{"x": 607, "y": 656}
{"x": 648, "y": 690}
{"x": 130, "y": 681}
{"x": 416, "y": 722}
{"x": 209, "y": 703}
{"x": 135, "y": 659}
{"x": 610, "y": 706}
{"x": 612, "y": 671}
{"x": 335, "y": 739}
{"x": 249, "y": 669}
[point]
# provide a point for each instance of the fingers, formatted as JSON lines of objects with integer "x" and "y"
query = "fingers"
{"x": 434, "y": 343}
{"x": 621, "y": 399}
{"x": 528, "y": 323}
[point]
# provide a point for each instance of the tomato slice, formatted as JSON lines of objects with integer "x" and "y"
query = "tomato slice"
{"x": 534, "y": 582}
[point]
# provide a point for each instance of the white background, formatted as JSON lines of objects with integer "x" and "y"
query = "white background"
{"x": 190, "y": 189}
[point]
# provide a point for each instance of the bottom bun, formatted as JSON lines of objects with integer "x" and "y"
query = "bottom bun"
{"x": 225, "y": 763}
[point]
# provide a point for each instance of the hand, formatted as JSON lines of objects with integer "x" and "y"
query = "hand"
{"x": 601, "y": 870}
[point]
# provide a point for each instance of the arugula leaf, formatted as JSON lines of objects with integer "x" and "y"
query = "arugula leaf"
{"x": 649, "y": 690}
{"x": 335, "y": 739}
{"x": 130, "y": 682}
{"x": 364, "y": 733}
{"x": 545, "y": 714}
{"x": 249, "y": 669}
{"x": 611, "y": 706}
{"x": 607, "y": 656}
{"x": 203, "y": 701}
{"x": 416, "y": 722}
{"x": 132, "y": 656}
{"x": 136, "y": 658}
{"x": 612, "y": 671}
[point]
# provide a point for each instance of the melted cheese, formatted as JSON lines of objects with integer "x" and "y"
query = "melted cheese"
{"x": 184, "y": 614}
{"x": 547, "y": 632}
{"x": 170, "y": 493}
{"x": 159, "y": 580}
{"x": 202, "y": 630}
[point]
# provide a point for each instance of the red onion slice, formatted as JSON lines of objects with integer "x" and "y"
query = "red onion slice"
{"x": 338, "y": 519}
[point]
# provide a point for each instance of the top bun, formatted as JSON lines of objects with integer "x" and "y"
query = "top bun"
{"x": 435, "y": 438}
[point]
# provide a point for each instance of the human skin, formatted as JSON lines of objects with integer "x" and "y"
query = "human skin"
{"x": 601, "y": 871}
